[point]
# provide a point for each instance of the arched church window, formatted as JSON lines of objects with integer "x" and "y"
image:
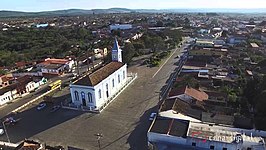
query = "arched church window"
{"x": 90, "y": 97}
{"x": 76, "y": 93}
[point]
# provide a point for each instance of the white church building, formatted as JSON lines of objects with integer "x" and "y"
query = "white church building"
{"x": 94, "y": 91}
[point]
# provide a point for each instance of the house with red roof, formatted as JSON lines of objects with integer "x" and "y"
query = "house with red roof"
{"x": 188, "y": 94}
{"x": 53, "y": 66}
{"x": 5, "y": 80}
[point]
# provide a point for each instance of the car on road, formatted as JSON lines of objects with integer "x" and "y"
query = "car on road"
{"x": 152, "y": 116}
{"x": 55, "y": 108}
{"x": 10, "y": 121}
{"x": 41, "y": 106}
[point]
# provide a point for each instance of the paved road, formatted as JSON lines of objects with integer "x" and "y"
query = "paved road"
{"x": 7, "y": 108}
{"x": 124, "y": 123}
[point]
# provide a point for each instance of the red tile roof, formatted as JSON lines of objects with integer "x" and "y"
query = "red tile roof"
{"x": 57, "y": 61}
{"x": 101, "y": 74}
{"x": 5, "y": 79}
{"x": 54, "y": 61}
{"x": 196, "y": 94}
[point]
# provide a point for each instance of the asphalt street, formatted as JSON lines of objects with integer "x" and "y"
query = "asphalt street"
{"x": 124, "y": 123}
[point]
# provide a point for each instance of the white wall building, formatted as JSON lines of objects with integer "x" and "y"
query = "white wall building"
{"x": 5, "y": 97}
{"x": 53, "y": 69}
{"x": 23, "y": 86}
{"x": 55, "y": 66}
{"x": 168, "y": 133}
{"x": 95, "y": 90}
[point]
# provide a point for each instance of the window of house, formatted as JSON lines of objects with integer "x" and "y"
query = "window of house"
{"x": 100, "y": 93}
{"x": 76, "y": 93}
{"x": 211, "y": 147}
{"x": 124, "y": 75}
{"x": 193, "y": 144}
{"x": 113, "y": 82}
{"x": 90, "y": 97}
{"x": 118, "y": 78}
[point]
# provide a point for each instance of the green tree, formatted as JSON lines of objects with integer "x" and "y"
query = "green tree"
{"x": 128, "y": 52}
{"x": 187, "y": 22}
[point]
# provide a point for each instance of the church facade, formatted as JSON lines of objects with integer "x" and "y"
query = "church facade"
{"x": 95, "y": 90}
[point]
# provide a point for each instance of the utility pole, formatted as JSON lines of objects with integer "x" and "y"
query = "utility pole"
{"x": 88, "y": 63}
{"x": 76, "y": 52}
{"x": 92, "y": 57}
{"x": 4, "y": 126}
{"x": 99, "y": 136}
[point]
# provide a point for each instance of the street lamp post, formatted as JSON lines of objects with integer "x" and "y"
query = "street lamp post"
{"x": 99, "y": 136}
{"x": 77, "y": 59}
{"x": 92, "y": 57}
{"x": 4, "y": 126}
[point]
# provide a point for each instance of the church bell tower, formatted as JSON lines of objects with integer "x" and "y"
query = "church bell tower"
{"x": 116, "y": 52}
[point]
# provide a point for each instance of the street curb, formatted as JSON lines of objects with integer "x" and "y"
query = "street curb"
{"x": 32, "y": 101}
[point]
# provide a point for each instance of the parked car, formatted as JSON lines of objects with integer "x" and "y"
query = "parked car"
{"x": 55, "y": 108}
{"x": 152, "y": 116}
{"x": 11, "y": 121}
{"x": 2, "y": 132}
{"x": 41, "y": 106}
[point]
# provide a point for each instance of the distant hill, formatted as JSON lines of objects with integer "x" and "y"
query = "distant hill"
{"x": 45, "y": 13}
{"x": 68, "y": 12}
{"x": 72, "y": 12}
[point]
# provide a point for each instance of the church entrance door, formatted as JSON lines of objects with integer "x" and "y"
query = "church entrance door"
{"x": 83, "y": 102}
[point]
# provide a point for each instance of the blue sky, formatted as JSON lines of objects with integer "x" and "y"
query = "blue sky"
{"x": 43, "y": 5}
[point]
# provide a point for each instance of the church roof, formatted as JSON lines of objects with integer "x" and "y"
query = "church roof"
{"x": 99, "y": 75}
{"x": 116, "y": 46}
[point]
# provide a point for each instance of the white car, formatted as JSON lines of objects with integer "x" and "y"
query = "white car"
{"x": 2, "y": 131}
{"x": 152, "y": 116}
{"x": 41, "y": 106}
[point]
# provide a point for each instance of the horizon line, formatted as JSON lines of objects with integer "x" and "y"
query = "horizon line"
{"x": 187, "y": 8}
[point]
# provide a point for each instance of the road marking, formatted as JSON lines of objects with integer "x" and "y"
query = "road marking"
{"x": 164, "y": 63}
